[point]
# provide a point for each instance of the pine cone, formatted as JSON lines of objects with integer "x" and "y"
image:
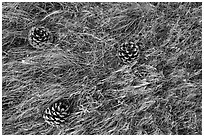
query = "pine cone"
{"x": 58, "y": 112}
{"x": 38, "y": 37}
{"x": 128, "y": 52}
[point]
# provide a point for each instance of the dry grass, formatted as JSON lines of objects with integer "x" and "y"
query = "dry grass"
{"x": 161, "y": 94}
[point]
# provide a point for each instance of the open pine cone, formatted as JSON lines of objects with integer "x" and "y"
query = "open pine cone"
{"x": 58, "y": 112}
{"x": 128, "y": 52}
{"x": 39, "y": 37}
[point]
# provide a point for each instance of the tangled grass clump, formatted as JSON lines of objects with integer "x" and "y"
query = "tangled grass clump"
{"x": 79, "y": 83}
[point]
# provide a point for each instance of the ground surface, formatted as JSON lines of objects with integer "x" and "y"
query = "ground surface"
{"x": 159, "y": 92}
